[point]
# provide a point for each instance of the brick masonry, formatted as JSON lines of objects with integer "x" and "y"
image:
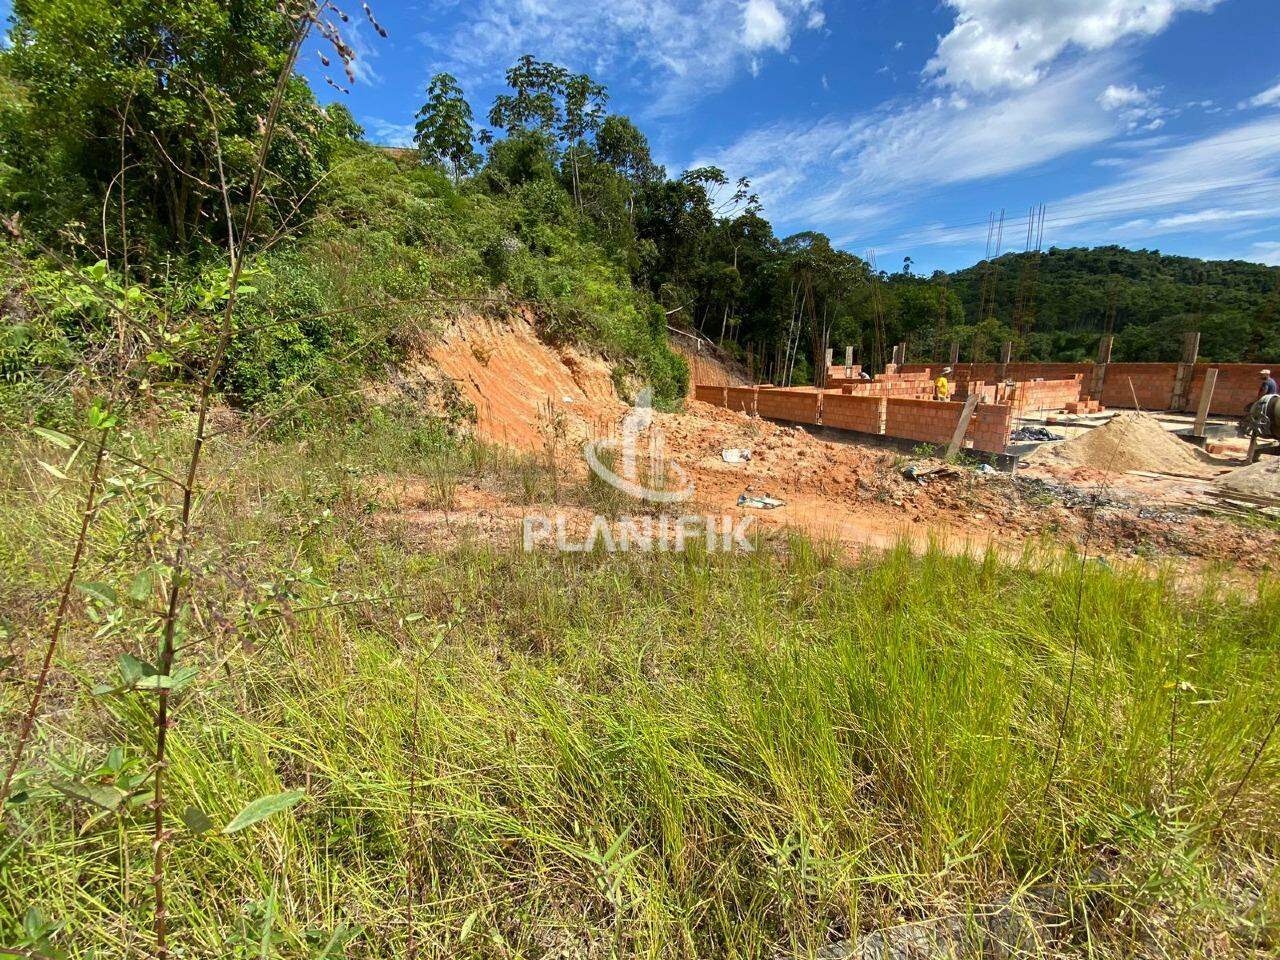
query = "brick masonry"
{"x": 796, "y": 405}
{"x": 899, "y": 404}
{"x": 1034, "y": 396}
{"x": 911, "y": 418}
{"x": 934, "y": 422}
{"x": 742, "y": 399}
{"x": 865, "y": 414}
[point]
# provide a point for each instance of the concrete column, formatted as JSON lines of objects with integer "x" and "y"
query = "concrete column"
{"x": 1100, "y": 368}
{"x": 1006, "y": 352}
{"x": 1186, "y": 370}
{"x": 955, "y": 353}
{"x": 1206, "y": 399}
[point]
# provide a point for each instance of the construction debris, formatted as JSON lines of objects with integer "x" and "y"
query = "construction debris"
{"x": 760, "y": 501}
{"x": 735, "y": 455}
{"x": 920, "y": 469}
{"x": 1024, "y": 434}
{"x": 1261, "y": 479}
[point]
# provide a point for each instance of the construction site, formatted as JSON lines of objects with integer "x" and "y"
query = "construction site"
{"x": 1141, "y": 461}
{"x": 987, "y": 402}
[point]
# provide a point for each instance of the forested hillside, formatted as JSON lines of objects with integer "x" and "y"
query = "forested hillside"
{"x": 114, "y": 156}
{"x": 1071, "y": 295}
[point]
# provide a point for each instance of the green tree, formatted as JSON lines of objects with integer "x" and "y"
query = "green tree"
{"x": 621, "y": 145}
{"x": 444, "y": 131}
{"x": 130, "y": 103}
{"x": 535, "y": 102}
{"x": 584, "y": 102}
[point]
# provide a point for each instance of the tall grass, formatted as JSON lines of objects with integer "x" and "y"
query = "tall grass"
{"x": 646, "y": 755}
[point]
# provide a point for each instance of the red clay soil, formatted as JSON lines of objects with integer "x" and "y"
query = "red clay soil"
{"x": 524, "y": 391}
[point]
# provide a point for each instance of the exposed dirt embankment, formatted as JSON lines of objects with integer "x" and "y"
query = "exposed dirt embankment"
{"x": 525, "y": 392}
{"x": 706, "y": 367}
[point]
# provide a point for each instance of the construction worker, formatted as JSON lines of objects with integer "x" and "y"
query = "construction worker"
{"x": 1268, "y": 386}
{"x": 941, "y": 386}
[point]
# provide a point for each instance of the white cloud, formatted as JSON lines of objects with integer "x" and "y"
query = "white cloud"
{"x": 1235, "y": 169}
{"x": 1267, "y": 252}
{"x": 1200, "y": 186}
{"x": 860, "y": 178}
{"x": 366, "y": 51}
{"x": 388, "y": 134}
{"x": 1197, "y": 218}
{"x": 763, "y": 25}
{"x": 1136, "y": 107}
{"x": 1115, "y": 97}
{"x": 680, "y": 49}
{"x": 1267, "y": 98}
{"x": 838, "y": 172}
{"x": 1008, "y": 44}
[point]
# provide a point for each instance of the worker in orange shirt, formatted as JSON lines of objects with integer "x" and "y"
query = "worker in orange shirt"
{"x": 942, "y": 386}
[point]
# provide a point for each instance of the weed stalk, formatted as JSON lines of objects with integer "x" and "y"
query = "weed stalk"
{"x": 178, "y": 567}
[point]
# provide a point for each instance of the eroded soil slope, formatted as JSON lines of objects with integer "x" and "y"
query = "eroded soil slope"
{"x": 524, "y": 391}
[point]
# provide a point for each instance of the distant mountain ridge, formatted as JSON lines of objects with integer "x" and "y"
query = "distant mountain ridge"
{"x": 1148, "y": 299}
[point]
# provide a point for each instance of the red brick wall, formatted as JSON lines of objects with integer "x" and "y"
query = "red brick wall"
{"x": 889, "y": 388}
{"x": 1029, "y": 396}
{"x": 988, "y": 372}
{"x": 853, "y": 412}
{"x": 1152, "y": 385}
{"x": 742, "y": 399}
{"x": 963, "y": 388}
{"x": 1237, "y": 385}
{"x": 1152, "y": 382}
{"x": 709, "y": 394}
{"x": 990, "y": 426}
{"x": 911, "y": 418}
{"x": 796, "y": 405}
{"x": 932, "y": 421}
{"x": 838, "y": 371}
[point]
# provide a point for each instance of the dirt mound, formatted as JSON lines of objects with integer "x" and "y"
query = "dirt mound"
{"x": 1261, "y": 479}
{"x": 1130, "y": 441}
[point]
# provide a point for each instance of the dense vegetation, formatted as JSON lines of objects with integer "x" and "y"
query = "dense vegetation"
{"x": 114, "y": 150}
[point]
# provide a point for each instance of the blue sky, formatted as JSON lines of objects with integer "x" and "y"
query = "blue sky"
{"x": 899, "y": 125}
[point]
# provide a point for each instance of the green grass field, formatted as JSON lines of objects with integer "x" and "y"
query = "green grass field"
{"x": 509, "y": 755}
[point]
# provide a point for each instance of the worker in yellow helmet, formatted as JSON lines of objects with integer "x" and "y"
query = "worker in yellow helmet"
{"x": 941, "y": 386}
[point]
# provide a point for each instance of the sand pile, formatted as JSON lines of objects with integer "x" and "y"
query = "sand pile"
{"x": 1130, "y": 441}
{"x": 1261, "y": 479}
